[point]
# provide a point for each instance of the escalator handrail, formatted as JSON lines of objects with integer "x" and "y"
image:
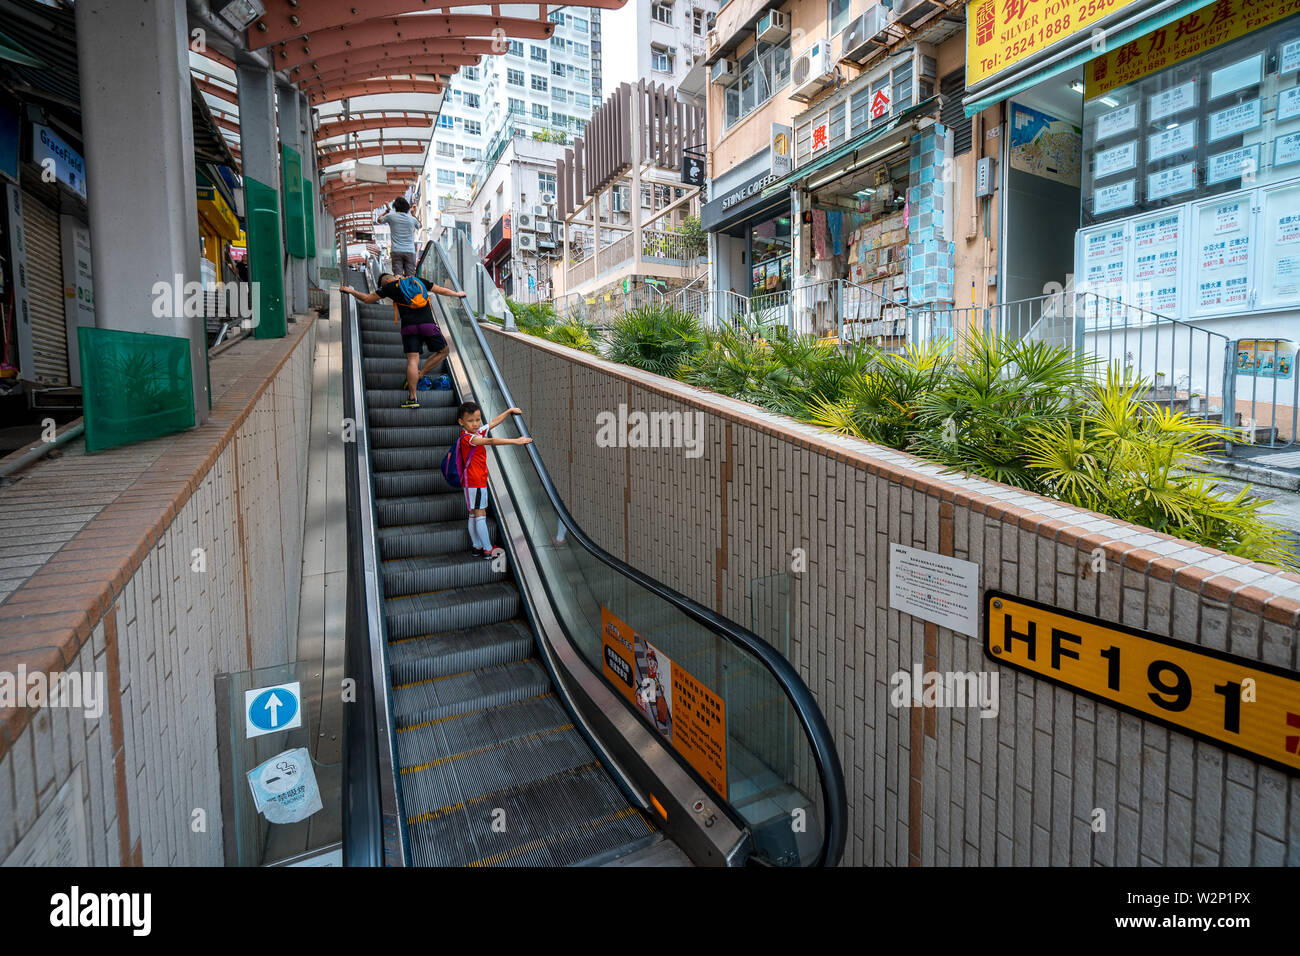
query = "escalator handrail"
{"x": 377, "y": 627}
{"x": 830, "y": 772}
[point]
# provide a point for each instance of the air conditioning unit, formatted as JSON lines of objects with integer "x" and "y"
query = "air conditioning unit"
{"x": 528, "y": 240}
{"x": 523, "y": 221}
{"x": 773, "y": 27}
{"x": 542, "y": 225}
{"x": 856, "y": 44}
{"x": 811, "y": 72}
{"x": 911, "y": 11}
{"x": 539, "y": 212}
{"x": 548, "y": 199}
{"x": 724, "y": 73}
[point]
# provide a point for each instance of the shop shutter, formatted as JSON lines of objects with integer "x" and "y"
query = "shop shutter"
{"x": 45, "y": 281}
{"x": 952, "y": 114}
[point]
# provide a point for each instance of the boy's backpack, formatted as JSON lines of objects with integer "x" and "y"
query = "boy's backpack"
{"x": 452, "y": 468}
{"x": 416, "y": 293}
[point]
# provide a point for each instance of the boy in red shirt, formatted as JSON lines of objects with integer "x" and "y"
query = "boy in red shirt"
{"x": 473, "y": 461}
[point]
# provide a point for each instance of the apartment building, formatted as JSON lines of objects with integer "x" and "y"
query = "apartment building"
{"x": 543, "y": 86}
{"x": 840, "y": 161}
{"x": 671, "y": 37}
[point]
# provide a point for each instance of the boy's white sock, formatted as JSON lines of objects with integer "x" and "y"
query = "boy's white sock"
{"x": 473, "y": 532}
{"x": 483, "y": 532}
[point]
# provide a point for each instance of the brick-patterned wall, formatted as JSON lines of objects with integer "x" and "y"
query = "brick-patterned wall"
{"x": 159, "y": 631}
{"x": 933, "y": 785}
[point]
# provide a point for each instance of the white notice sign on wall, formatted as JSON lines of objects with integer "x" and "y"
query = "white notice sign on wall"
{"x": 935, "y": 587}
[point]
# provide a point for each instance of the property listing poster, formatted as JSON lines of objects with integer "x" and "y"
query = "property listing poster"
{"x": 690, "y": 715}
{"x": 1265, "y": 358}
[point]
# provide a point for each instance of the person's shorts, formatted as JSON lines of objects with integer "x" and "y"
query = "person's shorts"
{"x": 476, "y": 498}
{"x": 404, "y": 263}
{"x": 425, "y": 334}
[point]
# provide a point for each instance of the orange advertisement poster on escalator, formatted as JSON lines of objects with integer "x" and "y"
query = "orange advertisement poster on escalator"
{"x": 690, "y": 715}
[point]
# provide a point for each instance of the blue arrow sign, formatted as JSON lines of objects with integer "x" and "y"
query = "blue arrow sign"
{"x": 271, "y": 709}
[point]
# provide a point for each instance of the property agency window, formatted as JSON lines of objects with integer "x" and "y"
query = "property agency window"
{"x": 537, "y": 54}
{"x": 515, "y": 77}
{"x": 473, "y": 128}
{"x": 661, "y": 59}
{"x": 539, "y": 83}
{"x": 662, "y": 12}
{"x": 763, "y": 71}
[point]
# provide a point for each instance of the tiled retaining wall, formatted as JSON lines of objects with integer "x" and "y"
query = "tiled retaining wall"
{"x": 932, "y": 785}
{"x": 121, "y": 599}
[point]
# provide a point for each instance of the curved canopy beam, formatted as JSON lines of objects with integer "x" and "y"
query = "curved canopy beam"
{"x": 333, "y": 157}
{"x": 469, "y": 46}
{"x": 406, "y": 119}
{"x": 284, "y": 20}
{"x": 220, "y": 92}
{"x": 433, "y": 65}
{"x": 374, "y": 33}
{"x": 373, "y": 87}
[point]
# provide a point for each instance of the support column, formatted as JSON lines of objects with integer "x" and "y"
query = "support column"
{"x": 143, "y": 210}
{"x": 261, "y": 162}
{"x": 295, "y": 240}
{"x": 311, "y": 188}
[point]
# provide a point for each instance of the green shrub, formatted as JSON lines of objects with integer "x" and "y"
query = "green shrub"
{"x": 532, "y": 316}
{"x": 573, "y": 332}
{"x": 656, "y": 338}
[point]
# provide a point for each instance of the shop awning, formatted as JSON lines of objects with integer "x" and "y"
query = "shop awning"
{"x": 1031, "y": 73}
{"x": 852, "y": 146}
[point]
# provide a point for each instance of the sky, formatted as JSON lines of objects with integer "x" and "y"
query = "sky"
{"x": 618, "y": 33}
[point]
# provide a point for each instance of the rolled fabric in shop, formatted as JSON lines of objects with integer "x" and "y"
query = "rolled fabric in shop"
{"x": 819, "y": 234}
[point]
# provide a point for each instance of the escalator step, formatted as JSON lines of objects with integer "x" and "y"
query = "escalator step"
{"x": 385, "y": 380}
{"x": 420, "y": 509}
{"x": 401, "y": 484}
{"x": 393, "y": 396}
{"x": 415, "y": 540}
{"x": 414, "y": 436}
{"x": 404, "y": 577}
{"x": 426, "y": 416}
{"x": 428, "y": 458}
{"x": 452, "y": 610}
{"x": 560, "y": 821}
{"x": 455, "y": 652}
{"x": 472, "y": 690}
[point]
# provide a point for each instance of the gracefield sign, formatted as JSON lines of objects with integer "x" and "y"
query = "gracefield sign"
{"x": 51, "y": 152}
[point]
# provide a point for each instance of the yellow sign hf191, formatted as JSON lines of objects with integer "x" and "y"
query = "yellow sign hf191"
{"x": 1000, "y": 33}
{"x": 1243, "y": 705}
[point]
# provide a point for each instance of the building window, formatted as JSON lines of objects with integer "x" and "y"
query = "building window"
{"x": 469, "y": 72}
{"x": 581, "y": 49}
{"x": 540, "y": 112}
{"x": 661, "y": 59}
{"x": 445, "y": 121}
{"x": 697, "y": 23}
{"x": 473, "y": 152}
{"x": 515, "y": 77}
{"x": 579, "y": 25}
{"x": 556, "y": 17}
{"x": 662, "y": 13}
{"x": 583, "y": 76}
{"x": 582, "y": 100}
{"x": 557, "y": 95}
{"x": 516, "y": 106}
{"x": 539, "y": 83}
{"x": 557, "y": 69}
{"x": 837, "y": 15}
{"x": 516, "y": 48}
{"x": 446, "y": 177}
{"x": 537, "y": 54}
{"x": 545, "y": 183}
{"x": 473, "y": 128}
{"x": 762, "y": 74}
{"x": 471, "y": 101}
{"x": 445, "y": 149}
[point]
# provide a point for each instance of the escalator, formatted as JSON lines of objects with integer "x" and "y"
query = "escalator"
{"x": 495, "y": 738}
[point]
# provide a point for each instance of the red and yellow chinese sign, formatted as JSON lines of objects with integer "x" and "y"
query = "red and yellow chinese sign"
{"x": 1213, "y": 24}
{"x": 1001, "y": 33}
{"x": 687, "y": 713}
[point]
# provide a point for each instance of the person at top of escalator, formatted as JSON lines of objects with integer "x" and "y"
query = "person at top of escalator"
{"x": 471, "y": 450}
{"x": 415, "y": 316}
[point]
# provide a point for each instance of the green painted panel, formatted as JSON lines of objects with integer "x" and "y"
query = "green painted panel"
{"x": 265, "y": 265}
{"x": 295, "y": 226}
{"x": 309, "y": 216}
{"x": 134, "y": 386}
